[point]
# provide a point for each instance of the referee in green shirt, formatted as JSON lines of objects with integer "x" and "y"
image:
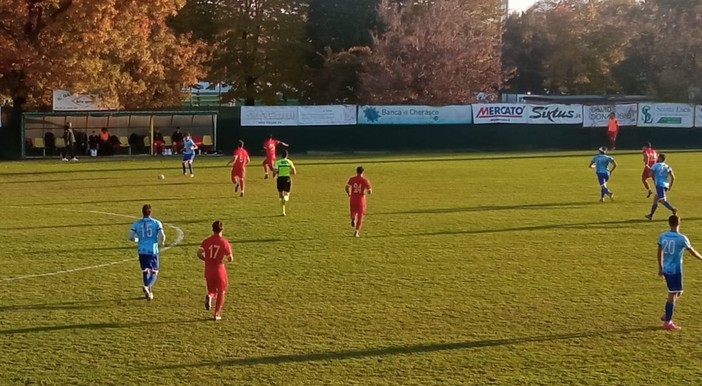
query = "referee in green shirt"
{"x": 284, "y": 168}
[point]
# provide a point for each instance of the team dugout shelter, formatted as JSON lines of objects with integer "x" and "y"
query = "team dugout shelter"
{"x": 131, "y": 133}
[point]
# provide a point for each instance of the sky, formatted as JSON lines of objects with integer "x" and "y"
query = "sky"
{"x": 520, "y": 5}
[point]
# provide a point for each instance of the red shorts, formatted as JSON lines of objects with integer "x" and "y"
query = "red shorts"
{"x": 269, "y": 161}
{"x": 357, "y": 206}
{"x": 612, "y": 135}
{"x": 217, "y": 280}
{"x": 238, "y": 172}
{"x": 646, "y": 173}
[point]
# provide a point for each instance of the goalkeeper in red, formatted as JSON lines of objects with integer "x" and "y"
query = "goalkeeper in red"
{"x": 357, "y": 187}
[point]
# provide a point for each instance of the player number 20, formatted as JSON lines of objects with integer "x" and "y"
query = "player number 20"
{"x": 668, "y": 246}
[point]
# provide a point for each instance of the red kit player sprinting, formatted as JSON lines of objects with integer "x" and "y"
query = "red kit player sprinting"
{"x": 214, "y": 251}
{"x": 270, "y": 145}
{"x": 650, "y": 157}
{"x": 357, "y": 188}
{"x": 239, "y": 160}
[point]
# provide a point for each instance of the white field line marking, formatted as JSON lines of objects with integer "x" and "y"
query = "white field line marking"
{"x": 178, "y": 240}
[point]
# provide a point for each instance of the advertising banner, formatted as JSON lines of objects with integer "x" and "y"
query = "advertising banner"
{"x": 698, "y": 116}
{"x": 327, "y": 115}
{"x": 598, "y": 115}
{"x": 499, "y": 113}
{"x": 414, "y": 115}
{"x": 666, "y": 115}
{"x": 65, "y": 101}
{"x": 555, "y": 114}
{"x": 269, "y": 115}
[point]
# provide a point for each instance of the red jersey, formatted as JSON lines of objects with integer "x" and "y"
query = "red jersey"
{"x": 242, "y": 158}
{"x": 359, "y": 185}
{"x": 270, "y": 146}
{"x": 613, "y": 125}
{"x": 216, "y": 247}
{"x": 651, "y": 156}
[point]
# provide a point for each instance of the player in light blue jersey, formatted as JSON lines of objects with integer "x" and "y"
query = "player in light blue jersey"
{"x": 148, "y": 233}
{"x": 189, "y": 148}
{"x": 671, "y": 247}
{"x": 663, "y": 178}
{"x": 601, "y": 164}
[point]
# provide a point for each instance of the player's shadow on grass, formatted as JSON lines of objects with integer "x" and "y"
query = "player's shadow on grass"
{"x": 83, "y": 226}
{"x": 490, "y": 208}
{"x": 401, "y": 350}
{"x": 88, "y": 304}
{"x": 98, "y": 326}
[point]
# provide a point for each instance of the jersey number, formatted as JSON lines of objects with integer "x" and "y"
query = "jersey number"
{"x": 668, "y": 247}
{"x": 357, "y": 188}
{"x": 214, "y": 251}
{"x": 147, "y": 231}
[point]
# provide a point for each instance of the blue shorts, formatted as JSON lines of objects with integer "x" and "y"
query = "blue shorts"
{"x": 188, "y": 157}
{"x": 674, "y": 281}
{"x": 660, "y": 191}
{"x": 602, "y": 178}
{"x": 149, "y": 262}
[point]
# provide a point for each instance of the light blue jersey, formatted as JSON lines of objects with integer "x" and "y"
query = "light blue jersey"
{"x": 661, "y": 171}
{"x": 147, "y": 230}
{"x": 673, "y": 245}
{"x": 188, "y": 147}
{"x": 602, "y": 162}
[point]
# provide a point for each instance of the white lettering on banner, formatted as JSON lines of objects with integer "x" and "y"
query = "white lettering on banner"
{"x": 330, "y": 115}
{"x": 414, "y": 115}
{"x": 598, "y": 115}
{"x": 269, "y": 116}
{"x": 499, "y": 113}
{"x": 555, "y": 114}
{"x": 666, "y": 115}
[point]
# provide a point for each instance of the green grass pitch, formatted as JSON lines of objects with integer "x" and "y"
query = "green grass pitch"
{"x": 471, "y": 269}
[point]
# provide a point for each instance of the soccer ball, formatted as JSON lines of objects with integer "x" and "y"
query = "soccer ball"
{"x": 161, "y": 176}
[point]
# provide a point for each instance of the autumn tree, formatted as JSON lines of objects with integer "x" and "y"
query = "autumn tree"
{"x": 260, "y": 48}
{"x": 121, "y": 50}
{"x": 338, "y": 32}
{"x": 433, "y": 53}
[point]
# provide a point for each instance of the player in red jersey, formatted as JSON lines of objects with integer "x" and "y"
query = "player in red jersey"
{"x": 357, "y": 187}
{"x": 270, "y": 145}
{"x": 214, "y": 251}
{"x": 650, "y": 157}
{"x": 240, "y": 160}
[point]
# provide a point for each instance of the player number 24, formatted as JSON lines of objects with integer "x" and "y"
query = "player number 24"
{"x": 357, "y": 188}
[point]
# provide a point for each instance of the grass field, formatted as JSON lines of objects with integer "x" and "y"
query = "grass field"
{"x": 471, "y": 269}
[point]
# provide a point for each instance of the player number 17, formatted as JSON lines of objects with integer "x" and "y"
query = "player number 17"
{"x": 214, "y": 251}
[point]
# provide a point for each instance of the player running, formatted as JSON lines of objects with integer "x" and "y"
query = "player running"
{"x": 357, "y": 187}
{"x": 284, "y": 168}
{"x": 189, "y": 148}
{"x": 240, "y": 160}
{"x": 214, "y": 251}
{"x": 270, "y": 146}
{"x": 671, "y": 248}
{"x": 661, "y": 172}
{"x": 601, "y": 164}
{"x": 650, "y": 157}
{"x": 148, "y": 232}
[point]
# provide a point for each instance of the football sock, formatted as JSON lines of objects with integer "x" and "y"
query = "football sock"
{"x": 241, "y": 184}
{"x": 190, "y": 166}
{"x": 145, "y": 277}
{"x": 603, "y": 191}
{"x": 654, "y": 207}
{"x": 218, "y": 303}
{"x": 183, "y": 168}
{"x": 669, "y": 307}
{"x": 667, "y": 205}
{"x": 645, "y": 183}
{"x": 359, "y": 222}
{"x": 152, "y": 280}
